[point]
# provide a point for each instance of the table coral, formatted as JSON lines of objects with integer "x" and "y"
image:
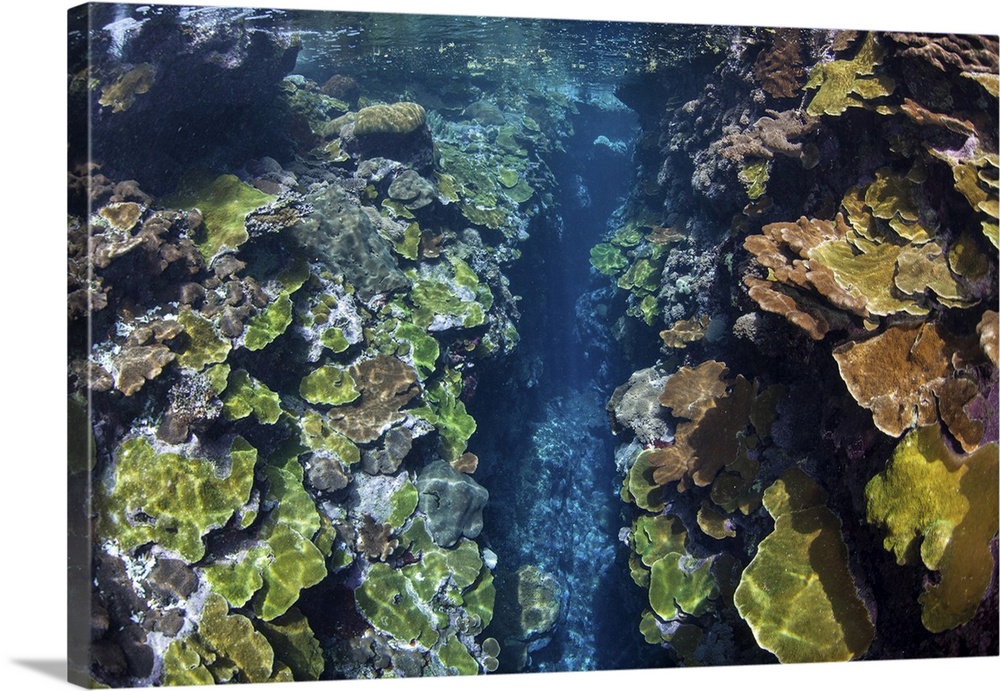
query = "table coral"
{"x": 942, "y": 507}
{"x": 798, "y": 594}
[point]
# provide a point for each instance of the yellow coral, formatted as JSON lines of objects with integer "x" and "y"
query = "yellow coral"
{"x": 944, "y": 507}
{"x": 847, "y": 84}
{"x": 798, "y": 594}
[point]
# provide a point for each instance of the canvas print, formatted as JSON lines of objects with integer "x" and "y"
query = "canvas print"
{"x": 415, "y": 345}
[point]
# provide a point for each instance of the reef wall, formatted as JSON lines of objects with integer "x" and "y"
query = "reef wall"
{"x": 813, "y": 233}
{"x": 270, "y": 361}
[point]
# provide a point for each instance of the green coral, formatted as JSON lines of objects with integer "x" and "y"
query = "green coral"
{"x": 224, "y": 202}
{"x": 218, "y": 377}
{"x": 628, "y": 235}
{"x": 404, "y": 503}
{"x": 655, "y": 537}
{"x": 293, "y": 505}
{"x": 508, "y": 178}
{"x": 480, "y": 598}
{"x": 239, "y": 578}
{"x": 642, "y": 277}
{"x": 942, "y": 508}
{"x": 412, "y": 604}
{"x": 607, "y": 259}
{"x": 520, "y": 193}
{"x": 180, "y": 498}
{"x": 182, "y": 666}
{"x": 387, "y": 601}
{"x": 225, "y": 649}
{"x": 295, "y": 563}
{"x": 447, "y": 413}
{"x": 334, "y": 339}
{"x": 679, "y": 583}
{"x": 264, "y": 327}
{"x": 409, "y": 246}
{"x": 455, "y": 657}
{"x": 319, "y": 435}
{"x": 798, "y": 594}
{"x": 295, "y": 644}
{"x": 205, "y": 346}
{"x": 240, "y": 652}
{"x": 649, "y": 309}
{"x": 754, "y": 176}
{"x": 442, "y": 301}
{"x": 424, "y": 348}
{"x": 329, "y": 385}
{"x": 246, "y": 395}
{"x": 640, "y": 488}
{"x": 286, "y": 560}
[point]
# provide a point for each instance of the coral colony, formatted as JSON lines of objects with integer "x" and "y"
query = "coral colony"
{"x": 410, "y": 346}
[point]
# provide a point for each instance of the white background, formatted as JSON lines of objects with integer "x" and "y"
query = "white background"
{"x": 32, "y": 335}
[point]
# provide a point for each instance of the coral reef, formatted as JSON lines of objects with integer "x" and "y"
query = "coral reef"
{"x": 868, "y": 320}
{"x": 294, "y": 338}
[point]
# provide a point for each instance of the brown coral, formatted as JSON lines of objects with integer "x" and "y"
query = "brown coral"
{"x": 136, "y": 365}
{"x": 144, "y": 354}
{"x": 716, "y": 411}
{"x": 787, "y": 250}
{"x": 813, "y": 318}
{"x": 375, "y": 540}
{"x": 774, "y": 134}
{"x": 121, "y": 215}
{"x": 967, "y": 53}
{"x": 778, "y": 67}
{"x": 684, "y": 332}
{"x": 895, "y": 373}
{"x": 386, "y": 384}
